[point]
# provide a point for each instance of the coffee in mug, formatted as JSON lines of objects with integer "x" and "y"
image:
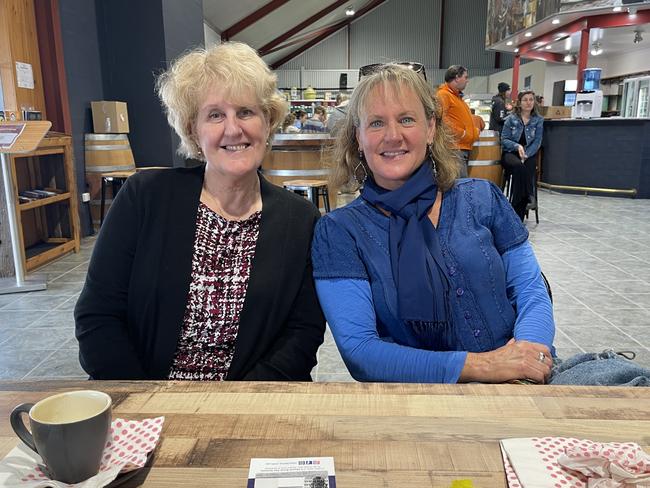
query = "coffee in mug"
{"x": 68, "y": 431}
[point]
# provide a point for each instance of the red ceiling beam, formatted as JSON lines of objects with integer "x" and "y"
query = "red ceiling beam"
{"x": 366, "y": 8}
{"x": 252, "y": 18}
{"x": 567, "y": 30}
{"x": 266, "y": 48}
{"x": 621, "y": 19}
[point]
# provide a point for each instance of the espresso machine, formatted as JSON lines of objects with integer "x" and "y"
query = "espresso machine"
{"x": 589, "y": 101}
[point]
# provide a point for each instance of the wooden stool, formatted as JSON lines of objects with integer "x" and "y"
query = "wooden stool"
{"x": 312, "y": 189}
{"x": 117, "y": 179}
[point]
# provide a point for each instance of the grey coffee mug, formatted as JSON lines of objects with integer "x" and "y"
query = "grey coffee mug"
{"x": 68, "y": 431}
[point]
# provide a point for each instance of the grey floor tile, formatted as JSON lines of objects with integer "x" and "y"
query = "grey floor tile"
{"x": 58, "y": 318}
{"x": 71, "y": 344}
{"x": 41, "y": 338}
{"x": 10, "y": 298}
{"x": 72, "y": 277}
{"x": 16, "y": 365}
{"x": 628, "y": 287}
{"x": 18, "y": 319}
{"x": 334, "y": 378}
{"x": 565, "y": 353}
{"x": 624, "y": 318}
{"x": 60, "y": 288}
{"x": 592, "y": 339}
{"x": 7, "y": 333}
{"x": 606, "y": 302}
{"x": 578, "y": 317}
{"x": 36, "y": 303}
{"x": 60, "y": 364}
{"x": 69, "y": 304}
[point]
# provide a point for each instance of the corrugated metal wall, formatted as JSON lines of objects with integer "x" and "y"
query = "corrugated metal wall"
{"x": 332, "y": 53}
{"x": 463, "y": 39}
{"x": 403, "y": 30}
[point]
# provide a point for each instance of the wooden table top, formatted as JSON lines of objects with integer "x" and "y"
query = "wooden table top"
{"x": 379, "y": 434}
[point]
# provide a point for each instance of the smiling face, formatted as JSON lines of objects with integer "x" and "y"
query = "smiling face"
{"x": 231, "y": 134}
{"x": 393, "y": 134}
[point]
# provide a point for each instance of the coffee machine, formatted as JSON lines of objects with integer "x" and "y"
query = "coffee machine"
{"x": 589, "y": 101}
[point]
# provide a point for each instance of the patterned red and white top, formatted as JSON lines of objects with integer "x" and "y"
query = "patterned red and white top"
{"x": 221, "y": 267}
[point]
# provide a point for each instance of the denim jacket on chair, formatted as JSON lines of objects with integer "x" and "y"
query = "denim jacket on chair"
{"x": 511, "y": 134}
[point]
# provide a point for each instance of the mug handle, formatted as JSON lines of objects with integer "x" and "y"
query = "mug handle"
{"x": 19, "y": 426}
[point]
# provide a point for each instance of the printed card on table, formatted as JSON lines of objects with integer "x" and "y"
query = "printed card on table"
{"x": 292, "y": 473}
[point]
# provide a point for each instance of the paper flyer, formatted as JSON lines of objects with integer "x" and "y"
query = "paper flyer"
{"x": 315, "y": 472}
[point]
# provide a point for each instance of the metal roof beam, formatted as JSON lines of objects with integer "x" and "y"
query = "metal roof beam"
{"x": 252, "y": 18}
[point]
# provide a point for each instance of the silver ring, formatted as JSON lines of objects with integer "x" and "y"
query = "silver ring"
{"x": 542, "y": 357}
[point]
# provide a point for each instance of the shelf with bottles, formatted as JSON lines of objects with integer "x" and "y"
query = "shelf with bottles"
{"x": 44, "y": 187}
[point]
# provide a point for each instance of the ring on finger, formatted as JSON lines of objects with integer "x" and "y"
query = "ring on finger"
{"x": 542, "y": 357}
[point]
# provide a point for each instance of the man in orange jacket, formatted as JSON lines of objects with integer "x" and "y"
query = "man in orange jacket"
{"x": 456, "y": 114}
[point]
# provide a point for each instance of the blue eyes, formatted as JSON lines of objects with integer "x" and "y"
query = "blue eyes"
{"x": 376, "y": 124}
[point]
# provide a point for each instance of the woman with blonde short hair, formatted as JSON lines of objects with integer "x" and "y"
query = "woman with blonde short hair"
{"x": 204, "y": 273}
{"x": 425, "y": 278}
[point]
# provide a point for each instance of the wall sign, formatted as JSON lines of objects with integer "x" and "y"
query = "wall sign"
{"x": 24, "y": 75}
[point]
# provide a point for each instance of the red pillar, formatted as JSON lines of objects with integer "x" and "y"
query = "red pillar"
{"x": 515, "y": 77}
{"x": 583, "y": 56}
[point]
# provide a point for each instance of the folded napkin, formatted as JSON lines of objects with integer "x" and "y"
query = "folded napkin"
{"x": 561, "y": 462}
{"x": 127, "y": 448}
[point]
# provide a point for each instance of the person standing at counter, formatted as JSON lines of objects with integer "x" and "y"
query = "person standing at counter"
{"x": 521, "y": 138}
{"x": 317, "y": 122}
{"x": 500, "y": 107}
{"x": 456, "y": 114}
{"x": 425, "y": 278}
{"x": 204, "y": 273}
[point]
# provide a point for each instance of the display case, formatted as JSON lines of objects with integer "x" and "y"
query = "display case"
{"x": 45, "y": 193}
{"x": 636, "y": 97}
{"x": 482, "y": 104}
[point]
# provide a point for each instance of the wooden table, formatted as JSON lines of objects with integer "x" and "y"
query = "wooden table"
{"x": 379, "y": 434}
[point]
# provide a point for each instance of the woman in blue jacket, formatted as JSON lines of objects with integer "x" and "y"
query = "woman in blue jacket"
{"x": 425, "y": 278}
{"x": 520, "y": 139}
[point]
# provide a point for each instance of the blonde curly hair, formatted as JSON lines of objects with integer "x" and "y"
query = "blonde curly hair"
{"x": 231, "y": 65}
{"x": 345, "y": 153}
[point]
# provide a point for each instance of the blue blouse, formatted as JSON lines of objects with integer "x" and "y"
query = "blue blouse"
{"x": 498, "y": 291}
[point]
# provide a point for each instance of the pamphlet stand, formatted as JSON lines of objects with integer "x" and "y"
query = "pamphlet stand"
{"x": 16, "y": 138}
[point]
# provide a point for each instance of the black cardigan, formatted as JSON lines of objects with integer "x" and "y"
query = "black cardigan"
{"x": 130, "y": 312}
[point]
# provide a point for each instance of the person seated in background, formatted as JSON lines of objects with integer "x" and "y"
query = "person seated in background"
{"x": 338, "y": 114}
{"x": 204, "y": 273}
{"x": 521, "y": 139}
{"x": 318, "y": 122}
{"x": 425, "y": 278}
{"x": 288, "y": 126}
{"x": 301, "y": 118}
{"x": 479, "y": 123}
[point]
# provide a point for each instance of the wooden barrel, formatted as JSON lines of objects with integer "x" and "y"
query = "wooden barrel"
{"x": 108, "y": 152}
{"x": 484, "y": 160}
{"x": 298, "y": 157}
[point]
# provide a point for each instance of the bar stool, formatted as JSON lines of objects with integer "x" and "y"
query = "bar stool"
{"x": 116, "y": 179}
{"x": 312, "y": 189}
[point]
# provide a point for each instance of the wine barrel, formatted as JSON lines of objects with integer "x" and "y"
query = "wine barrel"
{"x": 108, "y": 152}
{"x": 485, "y": 157}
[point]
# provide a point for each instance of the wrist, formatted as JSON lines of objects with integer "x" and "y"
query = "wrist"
{"x": 476, "y": 367}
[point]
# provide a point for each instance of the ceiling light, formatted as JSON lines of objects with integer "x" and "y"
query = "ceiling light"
{"x": 548, "y": 47}
{"x": 509, "y": 43}
{"x": 631, "y": 11}
{"x": 555, "y": 21}
{"x": 568, "y": 58}
{"x": 528, "y": 34}
{"x": 637, "y": 37}
{"x": 617, "y": 9}
{"x": 596, "y": 49}
{"x": 516, "y": 49}
{"x": 349, "y": 11}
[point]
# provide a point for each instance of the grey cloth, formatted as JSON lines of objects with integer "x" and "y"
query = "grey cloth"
{"x": 599, "y": 369}
{"x": 463, "y": 157}
{"x": 336, "y": 118}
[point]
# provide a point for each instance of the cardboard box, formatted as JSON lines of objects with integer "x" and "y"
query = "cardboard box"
{"x": 110, "y": 117}
{"x": 556, "y": 112}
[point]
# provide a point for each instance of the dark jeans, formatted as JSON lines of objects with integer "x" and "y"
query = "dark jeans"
{"x": 523, "y": 180}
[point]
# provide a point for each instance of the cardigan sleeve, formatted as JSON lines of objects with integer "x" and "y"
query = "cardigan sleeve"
{"x": 350, "y": 313}
{"x": 105, "y": 349}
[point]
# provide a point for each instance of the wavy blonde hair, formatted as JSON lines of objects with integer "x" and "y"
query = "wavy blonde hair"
{"x": 233, "y": 66}
{"x": 345, "y": 152}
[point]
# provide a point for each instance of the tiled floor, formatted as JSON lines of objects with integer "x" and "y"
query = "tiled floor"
{"x": 595, "y": 252}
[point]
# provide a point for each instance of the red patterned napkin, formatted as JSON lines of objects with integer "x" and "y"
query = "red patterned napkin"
{"x": 561, "y": 462}
{"x": 127, "y": 447}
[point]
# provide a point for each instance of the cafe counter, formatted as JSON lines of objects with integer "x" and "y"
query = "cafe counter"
{"x": 605, "y": 155}
{"x": 299, "y": 157}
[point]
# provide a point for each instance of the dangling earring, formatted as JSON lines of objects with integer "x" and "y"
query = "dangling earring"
{"x": 433, "y": 161}
{"x": 360, "y": 164}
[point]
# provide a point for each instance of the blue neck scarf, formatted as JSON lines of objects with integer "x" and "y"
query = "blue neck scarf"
{"x": 416, "y": 259}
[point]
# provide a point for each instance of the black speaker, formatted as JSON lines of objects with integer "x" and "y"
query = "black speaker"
{"x": 343, "y": 82}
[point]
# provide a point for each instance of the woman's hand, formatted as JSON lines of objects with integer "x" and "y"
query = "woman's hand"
{"x": 517, "y": 360}
{"x": 522, "y": 152}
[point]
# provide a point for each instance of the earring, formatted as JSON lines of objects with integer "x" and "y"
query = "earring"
{"x": 433, "y": 161}
{"x": 360, "y": 180}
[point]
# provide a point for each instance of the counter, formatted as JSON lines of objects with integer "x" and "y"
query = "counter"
{"x": 605, "y": 153}
{"x": 298, "y": 156}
